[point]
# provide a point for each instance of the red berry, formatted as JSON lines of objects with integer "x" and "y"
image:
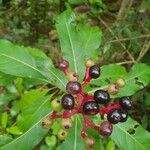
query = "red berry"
{"x": 105, "y": 129}
{"x": 114, "y": 116}
{"x": 67, "y": 101}
{"x": 90, "y": 108}
{"x": 89, "y": 142}
{"x": 94, "y": 72}
{"x": 73, "y": 87}
{"x": 101, "y": 97}
{"x": 125, "y": 103}
{"x": 47, "y": 123}
{"x": 112, "y": 89}
{"x": 64, "y": 64}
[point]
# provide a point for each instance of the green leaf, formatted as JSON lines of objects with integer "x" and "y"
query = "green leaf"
{"x": 77, "y": 44}
{"x": 29, "y": 63}
{"x": 14, "y": 130}
{"x": 27, "y": 140}
{"x": 74, "y": 137}
{"x": 110, "y": 145}
{"x": 34, "y": 105}
{"x": 135, "y": 80}
{"x": 109, "y": 72}
{"x": 4, "y": 119}
{"x": 131, "y": 135}
{"x": 4, "y": 139}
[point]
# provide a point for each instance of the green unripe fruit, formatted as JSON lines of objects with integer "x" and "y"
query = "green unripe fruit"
{"x": 56, "y": 105}
{"x": 120, "y": 82}
{"x": 66, "y": 123}
{"x": 62, "y": 134}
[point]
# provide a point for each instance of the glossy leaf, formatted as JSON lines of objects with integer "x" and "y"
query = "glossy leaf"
{"x": 29, "y": 63}
{"x": 130, "y": 135}
{"x": 77, "y": 44}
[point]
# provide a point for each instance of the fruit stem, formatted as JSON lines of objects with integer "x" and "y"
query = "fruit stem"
{"x": 106, "y": 110}
{"x": 65, "y": 71}
{"x": 87, "y": 77}
{"x": 87, "y": 123}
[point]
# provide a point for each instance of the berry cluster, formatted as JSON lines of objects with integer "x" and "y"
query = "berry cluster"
{"x": 76, "y": 101}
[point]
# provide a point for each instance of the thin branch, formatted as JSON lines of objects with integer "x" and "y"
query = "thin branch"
{"x": 127, "y": 39}
{"x": 125, "y": 62}
{"x": 145, "y": 48}
{"x": 110, "y": 30}
{"x": 124, "y": 9}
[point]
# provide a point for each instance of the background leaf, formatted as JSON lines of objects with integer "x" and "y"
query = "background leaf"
{"x": 77, "y": 44}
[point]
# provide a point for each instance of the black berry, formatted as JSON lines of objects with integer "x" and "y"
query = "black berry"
{"x": 73, "y": 87}
{"x": 67, "y": 101}
{"x": 90, "y": 108}
{"x": 63, "y": 65}
{"x": 94, "y": 72}
{"x": 101, "y": 97}
{"x": 125, "y": 103}
{"x": 114, "y": 116}
{"x": 105, "y": 129}
{"x": 124, "y": 115}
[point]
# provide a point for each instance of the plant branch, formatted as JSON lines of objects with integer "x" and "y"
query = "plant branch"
{"x": 110, "y": 30}
{"x": 124, "y": 9}
{"x": 145, "y": 48}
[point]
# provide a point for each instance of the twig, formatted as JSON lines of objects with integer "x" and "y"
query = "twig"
{"x": 125, "y": 62}
{"x": 110, "y": 30}
{"x": 145, "y": 48}
{"x": 125, "y": 6}
{"x": 127, "y": 39}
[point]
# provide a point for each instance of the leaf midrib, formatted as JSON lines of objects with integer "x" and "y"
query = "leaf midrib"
{"x": 25, "y": 64}
{"x": 72, "y": 48}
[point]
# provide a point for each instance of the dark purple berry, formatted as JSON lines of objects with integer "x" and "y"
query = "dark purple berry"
{"x": 73, "y": 87}
{"x": 114, "y": 116}
{"x": 105, "y": 129}
{"x": 90, "y": 108}
{"x": 101, "y": 97}
{"x": 125, "y": 103}
{"x": 64, "y": 64}
{"x": 94, "y": 72}
{"x": 124, "y": 115}
{"x": 67, "y": 101}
